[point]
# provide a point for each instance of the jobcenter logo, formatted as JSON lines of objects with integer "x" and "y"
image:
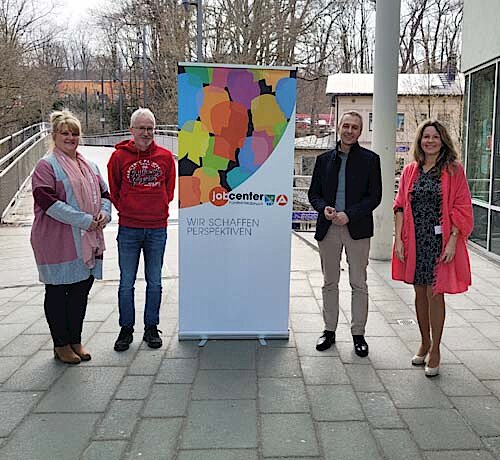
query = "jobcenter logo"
{"x": 219, "y": 196}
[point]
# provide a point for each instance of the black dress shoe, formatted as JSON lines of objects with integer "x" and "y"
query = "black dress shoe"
{"x": 152, "y": 337}
{"x": 124, "y": 339}
{"x": 325, "y": 341}
{"x": 360, "y": 345}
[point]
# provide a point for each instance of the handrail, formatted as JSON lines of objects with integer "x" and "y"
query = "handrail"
{"x": 19, "y": 148}
{"x": 43, "y": 127}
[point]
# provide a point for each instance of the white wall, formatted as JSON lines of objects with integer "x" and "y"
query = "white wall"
{"x": 481, "y": 37}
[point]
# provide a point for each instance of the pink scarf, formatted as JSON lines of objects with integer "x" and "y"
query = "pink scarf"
{"x": 85, "y": 185}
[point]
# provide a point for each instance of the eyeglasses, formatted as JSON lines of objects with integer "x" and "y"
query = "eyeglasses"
{"x": 144, "y": 129}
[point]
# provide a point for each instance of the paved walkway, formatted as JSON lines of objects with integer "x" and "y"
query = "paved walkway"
{"x": 239, "y": 400}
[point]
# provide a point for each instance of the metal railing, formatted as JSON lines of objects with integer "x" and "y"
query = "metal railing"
{"x": 9, "y": 143}
{"x": 17, "y": 172}
{"x": 165, "y": 137}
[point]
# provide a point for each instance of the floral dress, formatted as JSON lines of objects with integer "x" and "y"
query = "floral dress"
{"x": 426, "y": 199}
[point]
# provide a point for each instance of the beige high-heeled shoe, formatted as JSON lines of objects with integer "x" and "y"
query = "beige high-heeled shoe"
{"x": 418, "y": 360}
{"x": 66, "y": 355}
{"x": 431, "y": 371}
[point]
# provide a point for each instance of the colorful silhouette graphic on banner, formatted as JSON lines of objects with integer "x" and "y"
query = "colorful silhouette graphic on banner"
{"x": 230, "y": 121}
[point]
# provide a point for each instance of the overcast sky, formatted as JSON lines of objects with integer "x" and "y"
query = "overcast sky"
{"x": 73, "y": 11}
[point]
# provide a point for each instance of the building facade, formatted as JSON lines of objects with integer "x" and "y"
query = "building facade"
{"x": 481, "y": 120}
{"x": 420, "y": 96}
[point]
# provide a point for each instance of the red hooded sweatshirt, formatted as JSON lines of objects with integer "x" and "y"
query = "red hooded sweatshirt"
{"x": 141, "y": 184}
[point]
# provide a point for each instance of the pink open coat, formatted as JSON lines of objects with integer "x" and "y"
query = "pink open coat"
{"x": 453, "y": 277}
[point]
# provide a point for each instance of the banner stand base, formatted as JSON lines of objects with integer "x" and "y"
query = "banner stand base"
{"x": 261, "y": 337}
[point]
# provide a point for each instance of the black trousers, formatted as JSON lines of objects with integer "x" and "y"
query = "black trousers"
{"x": 65, "y": 306}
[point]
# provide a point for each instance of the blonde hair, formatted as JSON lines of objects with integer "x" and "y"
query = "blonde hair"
{"x": 64, "y": 118}
{"x": 448, "y": 154}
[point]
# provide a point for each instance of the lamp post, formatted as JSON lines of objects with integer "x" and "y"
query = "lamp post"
{"x": 199, "y": 25}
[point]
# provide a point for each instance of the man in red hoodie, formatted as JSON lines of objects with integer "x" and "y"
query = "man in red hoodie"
{"x": 141, "y": 178}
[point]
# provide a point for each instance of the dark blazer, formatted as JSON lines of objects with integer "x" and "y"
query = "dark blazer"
{"x": 363, "y": 189}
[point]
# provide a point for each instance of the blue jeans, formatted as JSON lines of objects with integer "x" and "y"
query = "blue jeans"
{"x": 152, "y": 241}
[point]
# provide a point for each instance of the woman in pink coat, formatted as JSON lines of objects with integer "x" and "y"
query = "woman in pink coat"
{"x": 433, "y": 219}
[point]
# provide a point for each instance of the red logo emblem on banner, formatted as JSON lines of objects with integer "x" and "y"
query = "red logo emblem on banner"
{"x": 218, "y": 196}
{"x": 282, "y": 200}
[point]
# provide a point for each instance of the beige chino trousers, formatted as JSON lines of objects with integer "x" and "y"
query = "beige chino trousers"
{"x": 357, "y": 251}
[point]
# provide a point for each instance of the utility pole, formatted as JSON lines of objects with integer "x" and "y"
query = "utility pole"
{"x": 385, "y": 96}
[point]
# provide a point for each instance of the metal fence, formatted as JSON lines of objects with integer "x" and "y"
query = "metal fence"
{"x": 9, "y": 143}
{"x": 17, "y": 172}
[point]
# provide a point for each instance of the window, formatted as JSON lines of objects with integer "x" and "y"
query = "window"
{"x": 308, "y": 165}
{"x": 400, "y": 122}
{"x": 494, "y": 144}
{"x": 480, "y": 230}
{"x": 480, "y": 127}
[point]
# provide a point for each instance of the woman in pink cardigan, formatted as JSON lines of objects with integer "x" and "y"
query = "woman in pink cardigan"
{"x": 433, "y": 219}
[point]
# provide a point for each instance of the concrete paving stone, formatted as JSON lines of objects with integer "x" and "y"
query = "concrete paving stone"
{"x": 307, "y": 305}
{"x": 338, "y": 438}
{"x": 300, "y": 288}
{"x": 218, "y": 454}
{"x": 491, "y": 330}
{"x": 482, "y": 413}
{"x": 134, "y": 387}
{"x": 227, "y": 354}
{"x": 382, "y": 293}
{"x": 298, "y": 275}
{"x": 38, "y": 327}
{"x": 377, "y": 326}
{"x": 440, "y": 429}
{"x": 10, "y": 292}
{"x": 459, "y": 455}
{"x": 318, "y": 294}
{"x": 146, "y": 362}
{"x": 484, "y": 364}
{"x": 493, "y": 444}
{"x": 107, "y": 294}
{"x": 447, "y": 357}
{"x": 220, "y": 424}
{"x": 363, "y": 378}
{"x": 26, "y": 314}
{"x": 277, "y": 362}
{"x": 286, "y": 435}
{"x": 407, "y": 295}
{"x": 454, "y": 319}
{"x": 167, "y": 400}
{"x": 411, "y": 389}
{"x": 306, "y": 345}
{"x": 389, "y": 353}
{"x": 461, "y": 302}
{"x": 407, "y": 333}
{"x": 397, "y": 445}
{"x": 9, "y": 365}
{"x": 156, "y": 438}
{"x": 183, "y": 349}
{"x": 37, "y": 373}
{"x": 225, "y": 384}
{"x": 392, "y": 310}
{"x": 9, "y": 332}
{"x": 98, "y": 311}
{"x": 282, "y": 395}
{"x": 479, "y": 297}
{"x": 323, "y": 370}
{"x": 82, "y": 389}
{"x": 493, "y": 309}
{"x": 50, "y": 437}
{"x": 457, "y": 380}
{"x": 120, "y": 420}
{"x": 15, "y": 406}
{"x": 33, "y": 294}
{"x": 282, "y": 343}
{"x": 109, "y": 450}
{"x": 334, "y": 403}
{"x": 307, "y": 322}
{"x": 177, "y": 370}
{"x": 24, "y": 345}
{"x": 9, "y": 306}
{"x": 103, "y": 354}
{"x": 380, "y": 410}
{"x": 112, "y": 326}
{"x": 347, "y": 355}
{"x": 492, "y": 385}
{"x": 476, "y": 316}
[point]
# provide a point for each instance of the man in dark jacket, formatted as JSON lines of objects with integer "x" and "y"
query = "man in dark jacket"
{"x": 346, "y": 187}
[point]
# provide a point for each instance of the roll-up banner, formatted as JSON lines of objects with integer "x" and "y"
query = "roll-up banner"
{"x": 236, "y": 147}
